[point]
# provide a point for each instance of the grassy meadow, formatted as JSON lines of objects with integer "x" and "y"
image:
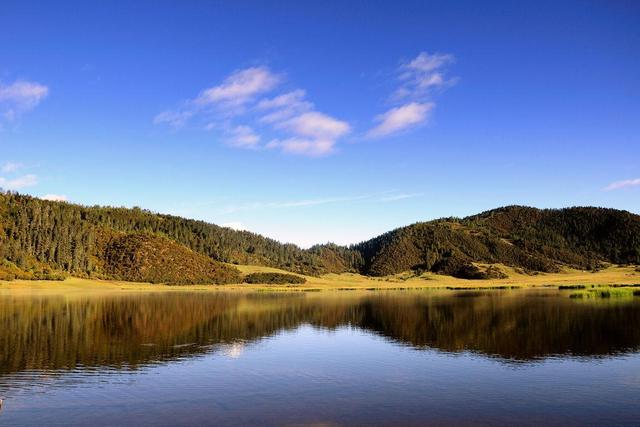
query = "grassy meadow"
{"x": 613, "y": 275}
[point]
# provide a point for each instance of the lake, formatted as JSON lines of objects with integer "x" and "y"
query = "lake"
{"x": 517, "y": 357}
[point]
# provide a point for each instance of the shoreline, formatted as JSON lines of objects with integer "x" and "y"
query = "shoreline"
{"x": 335, "y": 282}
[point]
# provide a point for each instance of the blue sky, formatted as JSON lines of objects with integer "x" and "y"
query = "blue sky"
{"x": 333, "y": 121}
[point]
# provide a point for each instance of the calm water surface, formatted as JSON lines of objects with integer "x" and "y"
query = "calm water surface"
{"x": 325, "y": 359}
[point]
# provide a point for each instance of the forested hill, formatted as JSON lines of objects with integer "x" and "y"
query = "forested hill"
{"x": 71, "y": 238}
{"x": 527, "y": 238}
{"x": 41, "y": 239}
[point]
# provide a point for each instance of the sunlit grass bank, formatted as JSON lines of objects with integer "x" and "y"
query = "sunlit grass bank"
{"x": 580, "y": 281}
{"x": 621, "y": 291}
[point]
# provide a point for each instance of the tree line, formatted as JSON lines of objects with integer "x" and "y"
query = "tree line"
{"x": 43, "y": 237}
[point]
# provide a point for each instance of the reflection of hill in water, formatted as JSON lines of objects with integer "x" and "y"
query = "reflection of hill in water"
{"x": 55, "y": 332}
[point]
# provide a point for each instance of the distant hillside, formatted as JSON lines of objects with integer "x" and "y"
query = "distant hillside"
{"x": 576, "y": 236}
{"x": 528, "y": 238}
{"x": 41, "y": 239}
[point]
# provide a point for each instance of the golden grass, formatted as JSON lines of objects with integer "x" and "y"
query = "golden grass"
{"x": 605, "y": 292}
{"x": 345, "y": 281}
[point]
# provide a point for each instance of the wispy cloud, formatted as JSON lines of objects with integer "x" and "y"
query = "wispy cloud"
{"x": 315, "y": 125}
{"x": 243, "y": 137}
{"x": 306, "y": 131}
{"x": 175, "y": 119}
{"x": 284, "y": 106}
{"x": 401, "y": 118}
{"x": 386, "y": 196}
{"x": 20, "y": 97}
{"x": 418, "y": 80}
{"x": 623, "y": 184}
{"x": 18, "y": 182}
{"x": 304, "y": 146}
{"x": 226, "y": 99}
{"x": 286, "y": 100}
{"x": 424, "y": 74}
{"x": 314, "y": 134}
{"x": 240, "y": 87}
{"x": 10, "y": 167}
{"x": 293, "y": 124}
{"x": 288, "y": 204}
{"x": 240, "y": 112}
{"x": 55, "y": 197}
{"x": 402, "y": 196}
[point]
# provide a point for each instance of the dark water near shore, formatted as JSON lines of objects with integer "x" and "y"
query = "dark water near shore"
{"x": 331, "y": 358}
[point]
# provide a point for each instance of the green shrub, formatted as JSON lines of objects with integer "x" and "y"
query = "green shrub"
{"x": 274, "y": 279}
{"x": 462, "y": 268}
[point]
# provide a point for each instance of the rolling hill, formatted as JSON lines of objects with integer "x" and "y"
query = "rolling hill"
{"x": 45, "y": 239}
{"x": 535, "y": 240}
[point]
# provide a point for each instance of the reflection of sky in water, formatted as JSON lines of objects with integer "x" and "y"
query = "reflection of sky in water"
{"x": 234, "y": 350}
{"x": 345, "y": 376}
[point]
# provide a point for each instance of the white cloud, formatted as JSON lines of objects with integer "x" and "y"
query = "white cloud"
{"x": 19, "y": 182}
{"x": 229, "y": 97}
{"x": 284, "y": 106}
{"x": 314, "y": 134}
{"x": 305, "y": 147}
{"x": 623, "y": 184}
{"x": 234, "y": 225}
{"x": 284, "y": 100}
{"x": 425, "y": 63}
{"x": 298, "y": 128}
{"x": 19, "y": 97}
{"x": 55, "y": 197}
{"x": 316, "y": 125}
{"x": 243, "y": 137}
{"x": 422, "y": 74}
{"x": 434, "y": 79}
{"x": 418, "y": 78}
{"x": 401, "y": 118}
{"x": 9, "y": 167}
{"x": 278, "y": 115}
{"x": 240, "y": 87}
{"x": 24, "y": 93}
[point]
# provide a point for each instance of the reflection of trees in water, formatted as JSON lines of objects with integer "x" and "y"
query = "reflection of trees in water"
{"x": 508, "y": 327}
{"x": 55, "y": 332}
